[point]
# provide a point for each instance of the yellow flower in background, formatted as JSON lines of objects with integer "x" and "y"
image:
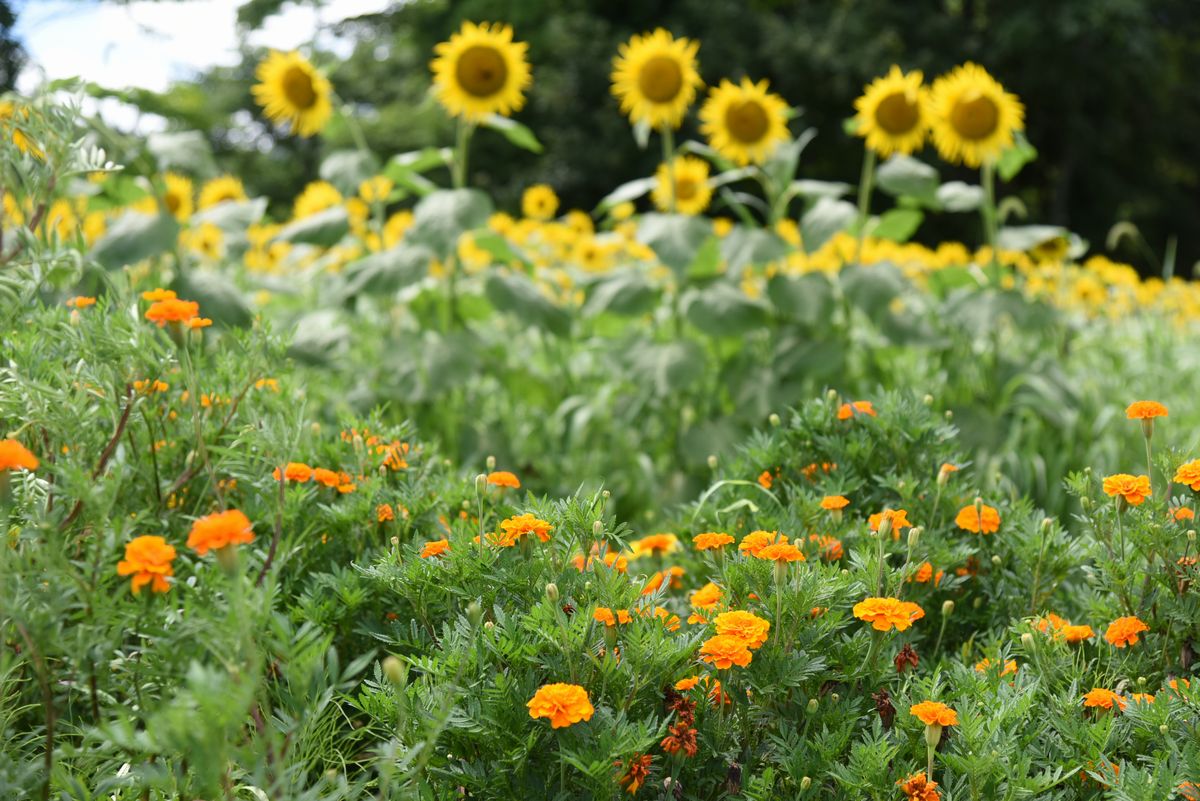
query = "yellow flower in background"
{"x": 316, "y": 197}
{"x": 891, "y": 113}
{"x": 9, "y": 116}
{"x": 691, "y": 190}
{"x": 205, "y": 239}
{"x": 655, "y": 78}
{"x": 220, "y": 190}
{"x": 178, "y": 196}
{"x": 481, "y": 71}
{"x": 292, "y": 92}
{"x": 539, "y": 202}
{"x": 377, "y": 189}
{"x": 744, "y": 122}
{"x": 396, "y": 226}
{"x": 973, "y": 118}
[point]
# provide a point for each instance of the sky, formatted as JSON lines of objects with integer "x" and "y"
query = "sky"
{"x": 149, "y": 44}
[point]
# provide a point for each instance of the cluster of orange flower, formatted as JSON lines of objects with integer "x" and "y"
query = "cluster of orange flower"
{"x": 148, "y": 558}
{"x": 166, "y": 308}
{"x": 301, "y": 473}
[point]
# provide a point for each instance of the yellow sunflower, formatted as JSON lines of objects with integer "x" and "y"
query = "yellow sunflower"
{"x": 178, "y": 197}
{"x": 973, "y": 117}
{"x": 205, "y": 240}
{"x": 481, "y": 71}
{"x": 892, "y": 113}
{"x": 539, "y": 202}
{"x": 219, "y": 190}
{"x": 744, "y": 122}
{"x": 655, "y": 78}
{"x": 316, "y": 197}
{"x": 291, "y": 91}
{"x": 692, "y": 192}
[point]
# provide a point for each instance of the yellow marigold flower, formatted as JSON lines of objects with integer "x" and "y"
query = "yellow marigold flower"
{"x": 744, "y": 122}
{"x": 539, "y": 202}
{"x": 292, "y": 92}
{"x": 1010, "y": 667}
{"x": 155, "y": 295}
{"x": 1189, "y": 474}
{"x": 1124, "y": 631}
{"x": 834, "y": 502}
{"x": 934, "y": 713}
{"x": 376, "y": 189}
{"x": 891, "y": 113}
{"x": 1133, "y": 489}
{"x": 655, "y": 543}
{"x": 316, "y": 197}
{"x": 148, "y": 559}
{"x": 707, "y": 596}
{"x": 655, "y": 78}
{"x": 525, "y": 524}
{"x": 984, "y": 520}
{"x": 669, "y": 620}
{"x": 325, "y": 477}
{"x": 15, "y": 456}
{"x": 765, "y": 480}
{"x": 780, "y": 552}
{"x": 830, "y": 547}
{"x": 724, "y": 651}
{"x": 683, "y": 685}
{"x": 603, "y": 614}
{"x": 435, "y": 548}
{"x": 1142, "y": 698}
{"x": 884, "y": 614}
{"x": 973, "y": 118}
{"x": 711, "y": 540}
{"x": 563, "y": 704}
{"x": 654, "y": 583}
{"x": 1076, "y": 634}
{"x": 220, "y": 530}
{"x": 1101, "y": 698}
{"x": 503, "y": 478}
{"x": 1145, "y": 410}
{"x": 222, "y": 189}
{"x": 755, "y": 541}
{"x": 746, "y": 626}
{"x": 898, "y": 518}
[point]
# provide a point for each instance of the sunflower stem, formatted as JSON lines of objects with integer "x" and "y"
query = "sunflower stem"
{"x": 988, "y": 210}
{"x": 865, "y": 184}
{"x": 462, "y": 144}
{"x": 668, "y": 142}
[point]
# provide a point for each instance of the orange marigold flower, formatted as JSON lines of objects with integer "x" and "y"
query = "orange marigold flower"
{"x": 435, "y": 548}
{"x": 746, "y": 625}
{"x": 563, "y": 704}
{"x": 1189, "y": 474}
{"x": 503, "y": 478}
{"x": 711, "y": 540}
{"x": 898, "y": 517}
{"x": 765, "y": 480}
{"x": 848, "y": 410}
{"x": 654, "y": 583}
{"x": 198, "y": 322}
{"x": 755, "y": 541}
{"x": 603, "y": 614}
{"x": 611, "y": 559}
{"x": 683, "y": 685}
{"x": 1142, "y": 698}
{"x": 1145, "y": 410}
{"x": 15, "y": 456}
{"x": 1051, "y": 621}
{"x": 1133, "y": 489}
{"x": 669, "y": 620}
{"x": 523, "y": 525}
{"x": 155, "y": 295}
{"x": 884, "y": 614}
{"x": 934, "y": 713}
{"x": 148, "y": 560}
{"x": 220, "y": 530}
{"x": 81, "y": 302}
{"x": 830, "y": 547}
{"x": 654, "y": 543}
{"x": 325, "y": 477}
{"x": 1076, "y": 634}
{"x": 384, "y": 512}
{"x": 918, "y": 788}
{"x": 1189, "y": 791}
{"x": 636, "y": 772}
{"x": 1010, "y": 667}
{"x": 1103, "y": 699}
{"x": 1183, "y": 513}
{"x": 681, "y": 737}
{"x": 834, "y": 502}
{"x": 707, "y": 596}
{"x": 1174, "y": 684}
{"x": 1124, "y": 631}
{"x": 172, "y": 310}
{"x": 295, "y": 471}
{"x": 984, "y": 520}
{"x": 924, "y": 573}
{"x": 724, "y": 651}
{"x": 781, "y": 552}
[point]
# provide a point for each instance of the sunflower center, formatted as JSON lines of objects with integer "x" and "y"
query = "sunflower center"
{"x": 747, "y": 121}
{"x": 173, "y": 200}
{"x": 975, "y": 116}
{"x": 298, "y": 88}
{"x": 481, "y": 71}
{"x": 897, "y": 113}
{"x": 660, "y": 79}
{"x": 685, "y": 188}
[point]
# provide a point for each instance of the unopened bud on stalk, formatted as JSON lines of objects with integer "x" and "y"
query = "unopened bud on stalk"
{"x": 947, "y": 608}
{"x": 835, "y": 697}
{"x": 587, "y": 586}
{"x": 227, "y": 558}
{"x": 949, "y": 415}
{"x": 927, "y": 400}
{"x": 805, "y": 783}
{"x": 831, "y": 396}
{"x": 488, "y": 626}
{"x": 1163, "y": 728}
{"x": 1027, "y": 640}
{"x": 712, "y": 461}
{"x": 845, "y": 571}
{"x": 466, "y": 504}
{"x": 480, "y": 483}
{"x": 1191, "y": 535}
{"x": 491, "y": 463}
{"x": 885, "y": 525}
{"x": 996, "y": 560}
{"x": 1141, "y": 681}
{"x": 552, "y": 592}
{"x": 812, "y": 705}
{"x": 1148, "y": 427}
{"x": 606, "y": 494}
{"x": 597, "y": 528}
{"x": 933, "y": 735}
{"x": 396, "y": 671}
{"x": 978, "y": 602}
{"x": 774, "y": 420}
{"x": 1047, "y": 524}
{"x": 914, "y": 537}
{"x": 474, "y": 613}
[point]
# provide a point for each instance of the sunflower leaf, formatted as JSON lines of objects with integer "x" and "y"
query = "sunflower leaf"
{"x": 904, "y": 175}
{"x": 135, "y": 237}
{"x": 520, "y": 135}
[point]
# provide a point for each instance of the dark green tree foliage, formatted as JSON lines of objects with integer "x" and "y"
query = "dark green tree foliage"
{"x": 12, "y": 57}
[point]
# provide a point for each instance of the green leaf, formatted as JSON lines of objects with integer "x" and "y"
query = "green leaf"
{"x": 387, "y": 272}
{"x": 1014, "y": 158}
{"x": 514, "y": 132}
{"x": 1028, "y": 237}
{"x": 904, "y": 175}
{"x": 807, "y": 299}
{"x": 708, "y": 262}
{"x": 641, "y": 134}
{"x": 809, "y": 188}
{"x": 668, "y": 368}
{"x": 324, "y": 229}
{"x": 898, "y": 225}
{"x": 219, "y": 299}
{"x": 744, "y": 245}
{"x": 724, "y": 310}
{"x": 441, "y": 217}
{"x": 499, "y": 247}
{"x": 182, "y": 151}
{"x": 516, "y": 294}
{"x": 872, "y": 288}
{"x": 630, "y": 190}
{"x": 826, "y": 218}
{"x": 346, "y": 169}
{"x": 320, "y": 338}
{"x": 134, "y": 237}
{"x": 674, "y": 238}
{"x": 782, "y": 163}
{"x": 627, "y": 293}
{"x": 405, "y": 169}
{"x": 958, "y": 196}
{"x": 232, "y": 216}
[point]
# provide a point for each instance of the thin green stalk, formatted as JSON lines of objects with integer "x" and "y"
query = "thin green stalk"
{"x": 865, "y": 184}
{"x": 668, "y": 143}
{"x": 988, "y": 210}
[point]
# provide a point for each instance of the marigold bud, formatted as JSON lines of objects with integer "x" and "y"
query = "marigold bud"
{"x": 316, "y": 428}
{"x": 488, "y": 626}
{"x": 978, "y": 602}
{"x": 774, "y": 420}
{"x": 395, "y": 540}
{"x": 1141, "y": 681}
{"x": 491, "y": 463}
{"x": 947, "y": 608}
{"x": 812, "y": 705}
{"x": 1027, "y": 640}
{"x": 996, "y": 560}
{"x": 914, "y": 537}
{"x": 1163, "y": 728}
{"x": 1191, "y": 535}
{"x": 1085, "y": 504}
{"x": 933, "y": 735}
{"x": 712, "y": 461}
{"x": 805, "y": 783}
{"x": 474, "y": 613}
{"x": 831, "y": 396}
{"x": 396, "y": 671}
{"x": 480, "y": 483}
{"x": 597, "y": 528}
{"x": 949, "y": 415}
{"x": 552, "y": 592}
{"x": 606, "y": 494}
{"x": 1047, "y": 524}
{"x": 885, "y": 526}
{"x": 927, "y": 400}
{"x": 835, "y": 697}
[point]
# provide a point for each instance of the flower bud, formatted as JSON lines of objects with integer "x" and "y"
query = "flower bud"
{"x": 316, "y": 428}
{"x": 805, "y": 783}
{"x": 933, "y": 735}
{"x": 395, "y": 540}
{"x": 996, "y": 560}
{"x": 1163, "y": 729}
{"x": 227, "y": 558}
{"x": 597, "y": 528}
{"x": 1141, "y": 681}
{"x": 774, "y": 420}
{"x": 812, "y": 705}
{"x": 845, "y": 572}
{"x": 835, "y": 697}
{"x": 606, "y": 494}
{"x": 480, "y": 483}
{"x": 587, "y": 586}
{"x": 949, "y": 415}
{"x": 466, "y": 505}
{"x": 396, "y": 671}
{"x": 885, "y": 526}
{"x": 927, "y": 400}
{"x": 488, "y": 626}
{"x": 474, "y": 613}
{"x": 712, "y": 461}
{"x": 552, "y": 592}
{"x": 1047, "y": 525}
{"x": 914, "y": 537}
{"x": 1148, "y": 427}
{"x": 1191, "y": 535}
{"x": 831, "y": 396}
{"x": 1027, "y": 640}
{"x": 978, "y": 602}
{"x": 947, "y": 608}
{"x": 491, "y": 463}
{"x": 1085, "y": 504}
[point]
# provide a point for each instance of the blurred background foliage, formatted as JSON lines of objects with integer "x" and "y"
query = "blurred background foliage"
{"x": 1110, "y": 88}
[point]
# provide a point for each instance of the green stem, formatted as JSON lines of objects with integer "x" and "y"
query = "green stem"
{"x": 462, "y": 145}
{"x": 865, "y": 184}
{"x": 988, "y": 210}
{"x": 668, "y": 143}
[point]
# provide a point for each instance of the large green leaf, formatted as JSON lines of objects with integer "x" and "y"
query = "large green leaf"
{"x": 1015, "y": 157}
{"x": 724, "y": 310}
{"x": 388, "y": 271}
{"x": 960, "y": 196}
{"x": 346, "y": 169}
{"x": 744, "y": 245}
{"x": 627, "y": 292}
{"x": 807, "y": 299}
{"x": 134, "y": 237}
{"x": 905, "y": 175}
{"x": 441, "y": 217}
{"x": 232, "y": 216}
{"x": 898, "y": 225}
{"x": 668, "y": 368}
{"x": 873, "y": 288}
{"x": 219, "y": 299}
{"x": 320, "y": 337}
{"x": 815, "y": 360}
{"x": 324, "y": 229}
{"x": 1027, "y": 237}
{"x": 182, "y": 151}
{"x": 514, "y": 132}
{"x": 674, "y": 238}
{"x": 630, "y": 190}
{"x": 405, "y": 169}
{"x": 827, "y": 217}
{"x": 517, "y": 295}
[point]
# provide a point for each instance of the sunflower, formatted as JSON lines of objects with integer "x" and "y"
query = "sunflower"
{"x": 178, "y": 196}
{"x": 219, "y": 190}
{"x": 744, "y": 122}
{"x": 539, "y": 202}
{"x": 9, "y": 118}
{"x": 691, "y": 192}
{"x": 316, "y": 197}
{"x": 291, "y": 91}
{"x": 655, "y": 78}
{"x": 973, "y": 118}
{"x": 481, "y": 71}
{"x": 891, "y": 113}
